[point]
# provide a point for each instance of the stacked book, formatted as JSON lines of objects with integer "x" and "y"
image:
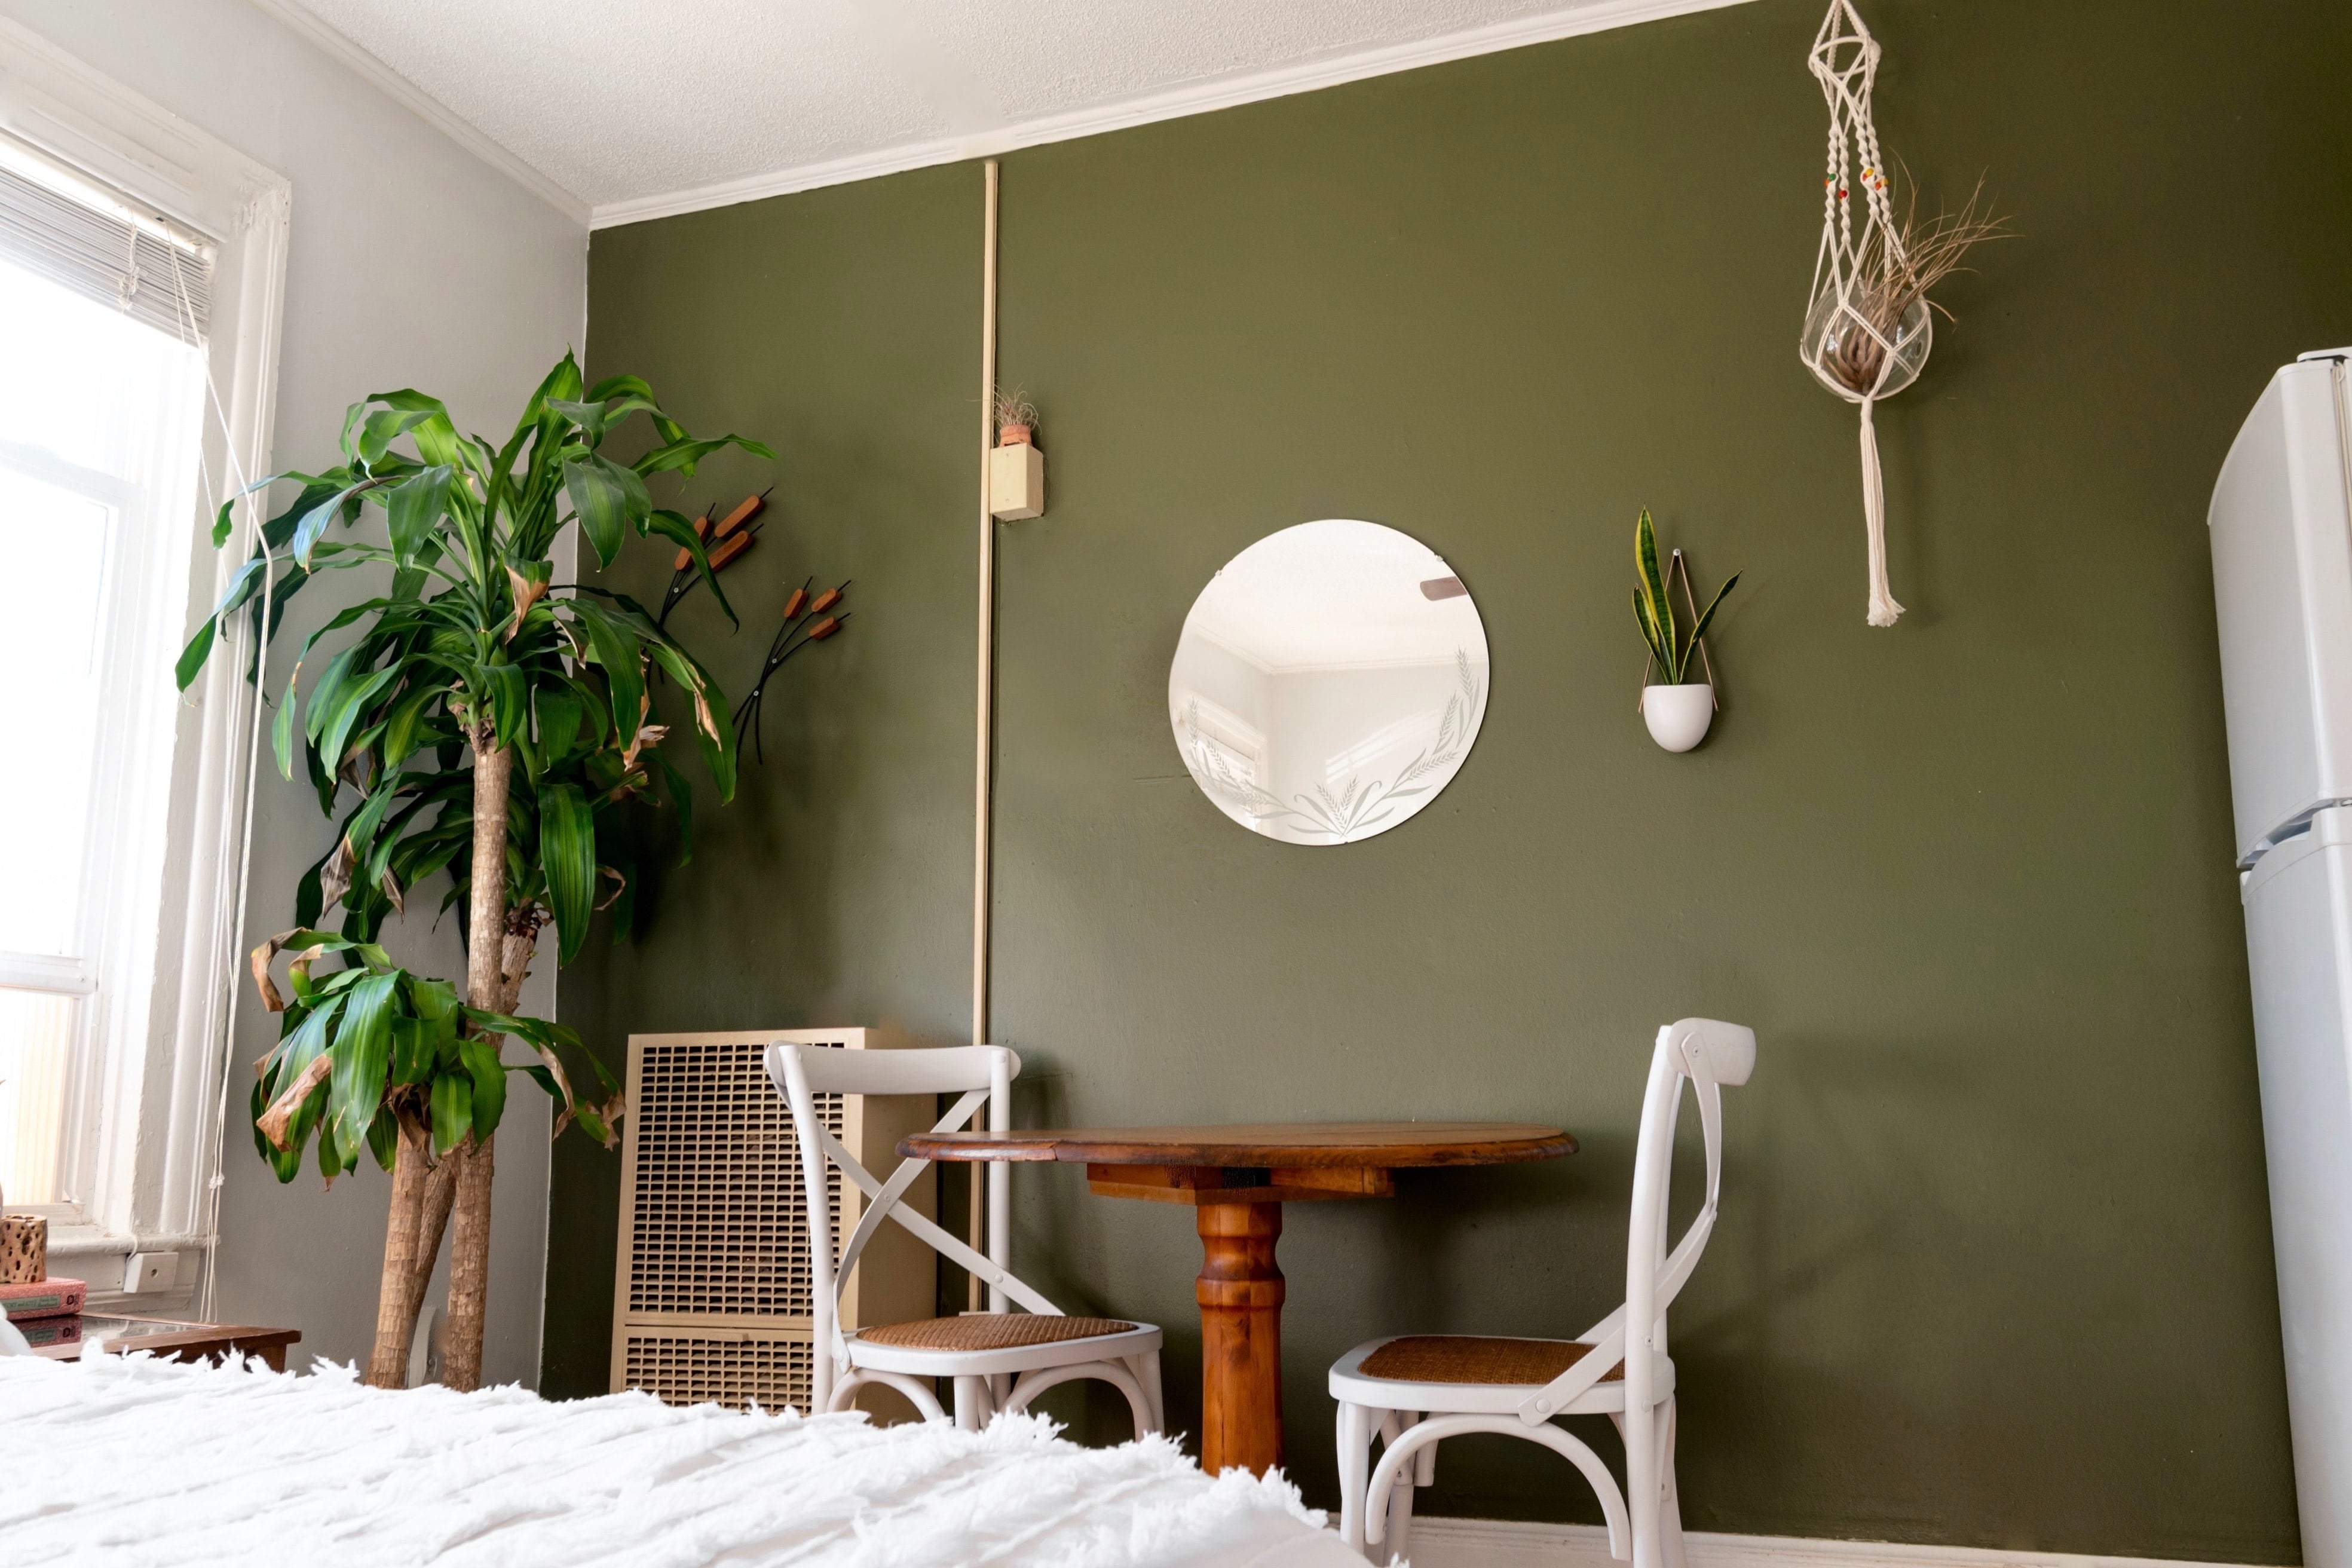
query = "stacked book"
{"x": 47, "y": 1312}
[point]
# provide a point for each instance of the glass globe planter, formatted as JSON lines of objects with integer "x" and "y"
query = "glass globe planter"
{"x": 1846, "y": 357}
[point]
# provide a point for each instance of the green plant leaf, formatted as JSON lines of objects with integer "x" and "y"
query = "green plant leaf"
{"x": 682, "y": 455}
{"x": 314, "y": 521}
{"x": 413, "y": 1048}
{"x": 561, "y": 383}
{"x": 363, "y": 1055}
{"x": 385, "y": 426}
{"x": 383, "y": 1137}
{"x": 509, "y": 701}
{"x": 673, "y": 526}
{"x": 590, "y": 416}
{"x": 1707, "y": 616}
{"x": 222, "y": 525}
{"x": 348, "y": 705}
{"x": 403, "y": 728}
{"x": 681, "y": 796}
{"x": 559, "y": 723}
{"x": 567, "y": 849}
{"x": 710, "y": 725}
{"x": 436, "y": 438}
{"x": 434, "y": 1000}
{"x": 453, "y": 1110}
{"x": 414, "y": 507}
{"x": 191, "y": 658}
{"x": 608, "y": 500}
{"x": 489, "y": 1085}
{"x": 1653, "y": 589}
{"x": 619, "y": 648}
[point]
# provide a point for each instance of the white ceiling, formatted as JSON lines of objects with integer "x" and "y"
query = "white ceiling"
{"x": 628, "y": 108}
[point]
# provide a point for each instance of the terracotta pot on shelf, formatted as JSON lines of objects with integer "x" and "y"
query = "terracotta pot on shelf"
{"x": 1014, "y": 436}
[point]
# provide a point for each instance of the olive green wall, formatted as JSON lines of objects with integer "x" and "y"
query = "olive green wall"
{"x": 1994, "y": 1267}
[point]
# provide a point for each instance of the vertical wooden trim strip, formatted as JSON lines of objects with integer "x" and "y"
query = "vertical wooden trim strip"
{"x": 981, "y": 827}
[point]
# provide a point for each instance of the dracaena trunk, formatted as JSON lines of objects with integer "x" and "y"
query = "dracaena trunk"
{"x": 427, "y": 1199}
{"x": 396, "y": 1302}
{"x": 486, "y": 985}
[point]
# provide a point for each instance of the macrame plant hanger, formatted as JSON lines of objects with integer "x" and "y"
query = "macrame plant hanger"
{"x": 1847, "y": 344}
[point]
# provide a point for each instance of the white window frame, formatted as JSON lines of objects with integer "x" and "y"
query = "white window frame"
{"x": 142, "y": 1147}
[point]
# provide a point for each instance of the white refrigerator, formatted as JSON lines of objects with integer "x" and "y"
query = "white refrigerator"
{"x": 2282, "y": 536}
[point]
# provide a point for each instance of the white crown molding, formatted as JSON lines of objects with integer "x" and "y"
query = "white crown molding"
{"x": 1440, "y": 1543}
{"x": 1200, "y": 97}
{"x": 424, "y": 106}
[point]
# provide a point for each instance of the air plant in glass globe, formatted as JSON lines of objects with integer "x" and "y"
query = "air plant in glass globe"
{"x": 1868, "y": 324}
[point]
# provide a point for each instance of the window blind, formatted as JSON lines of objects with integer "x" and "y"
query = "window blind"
{"x": 104, "y": 256}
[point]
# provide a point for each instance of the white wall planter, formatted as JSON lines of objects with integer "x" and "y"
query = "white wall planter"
{"x": 1678, "y": 716}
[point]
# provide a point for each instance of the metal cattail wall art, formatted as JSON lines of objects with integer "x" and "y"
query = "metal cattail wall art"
{"x": 726, "y": 544}
{"x": 806, "y": 620}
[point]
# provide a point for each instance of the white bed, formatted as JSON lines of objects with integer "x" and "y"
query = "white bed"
{"x": 130, "y": 1460}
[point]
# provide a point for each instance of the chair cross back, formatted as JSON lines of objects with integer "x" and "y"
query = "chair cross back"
{"x": 984, "y": 1075}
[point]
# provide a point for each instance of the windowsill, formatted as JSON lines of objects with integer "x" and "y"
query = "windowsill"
{"x": 94, "y": 1256}
{"x": 89, "y": 1241}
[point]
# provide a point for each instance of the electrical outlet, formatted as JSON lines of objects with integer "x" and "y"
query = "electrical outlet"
{"x": 145, "y": 1273}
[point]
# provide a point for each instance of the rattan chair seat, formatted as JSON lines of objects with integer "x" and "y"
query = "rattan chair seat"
{"x": 1472, "y": 1358}
{"x": 989, "y": 1331}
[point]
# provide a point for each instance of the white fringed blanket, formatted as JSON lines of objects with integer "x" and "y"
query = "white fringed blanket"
{"x": 128, "y": 1460}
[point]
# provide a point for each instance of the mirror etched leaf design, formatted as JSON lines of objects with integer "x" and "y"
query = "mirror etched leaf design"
{"x": 1358, "y": 807}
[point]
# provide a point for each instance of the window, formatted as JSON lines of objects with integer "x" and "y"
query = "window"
{"x": 99, "y": 457}
{"x": 142, "y": 265}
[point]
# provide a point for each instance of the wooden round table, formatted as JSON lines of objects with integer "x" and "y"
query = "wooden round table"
{"x": 1237, "y": 1179}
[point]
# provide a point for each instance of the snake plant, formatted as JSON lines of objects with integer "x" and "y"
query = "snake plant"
{"x": 1655, "y": 613}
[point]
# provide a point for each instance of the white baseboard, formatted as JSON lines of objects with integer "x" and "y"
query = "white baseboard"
{"x": 1440, "y": 1543}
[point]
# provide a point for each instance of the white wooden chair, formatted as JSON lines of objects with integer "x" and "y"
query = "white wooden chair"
{"x": 1415, "y": 1392}
{"x": 1000, "y": 1359}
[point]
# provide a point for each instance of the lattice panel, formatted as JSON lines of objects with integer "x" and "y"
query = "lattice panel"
{"x": 718, "y": 1221}
{"x": 683, "y": 1366}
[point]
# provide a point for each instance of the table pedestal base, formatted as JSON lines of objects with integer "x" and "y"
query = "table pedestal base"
{"x": 1240, "y": 1291}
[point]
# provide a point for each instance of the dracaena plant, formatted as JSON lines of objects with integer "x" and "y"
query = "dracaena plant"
{"x": 475, "y": 723}
{"x": 1669, "y": 645}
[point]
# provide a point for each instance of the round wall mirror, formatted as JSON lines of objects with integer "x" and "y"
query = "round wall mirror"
{"x": 1330, "y": 681}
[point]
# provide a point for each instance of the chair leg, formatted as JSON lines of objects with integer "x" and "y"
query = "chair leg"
{"x": 1355, "y": 1465}
{"x": 1146, "y": 1368}
{"x": 971, "y": 1405}
{"x": 1400, "y": 1510}
{"x": 1400, "y": 1498}
{"x": 1670, "y": 1509}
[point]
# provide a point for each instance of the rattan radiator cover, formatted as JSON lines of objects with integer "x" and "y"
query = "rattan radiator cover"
{"x": 710, "y": 1294}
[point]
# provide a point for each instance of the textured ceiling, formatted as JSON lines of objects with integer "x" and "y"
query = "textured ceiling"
{"x": 620, "y": 100}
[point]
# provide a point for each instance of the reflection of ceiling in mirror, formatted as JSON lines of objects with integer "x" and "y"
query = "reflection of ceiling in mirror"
{"x": 1336, "y": 596}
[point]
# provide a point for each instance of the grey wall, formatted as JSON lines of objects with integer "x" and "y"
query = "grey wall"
{"x": 411, "y": 264}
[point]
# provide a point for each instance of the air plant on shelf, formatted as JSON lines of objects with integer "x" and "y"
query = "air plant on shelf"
{"x": 1016, "y": 418}
{"x": 727, "y": 543}
{"x": 806, "y": 620}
